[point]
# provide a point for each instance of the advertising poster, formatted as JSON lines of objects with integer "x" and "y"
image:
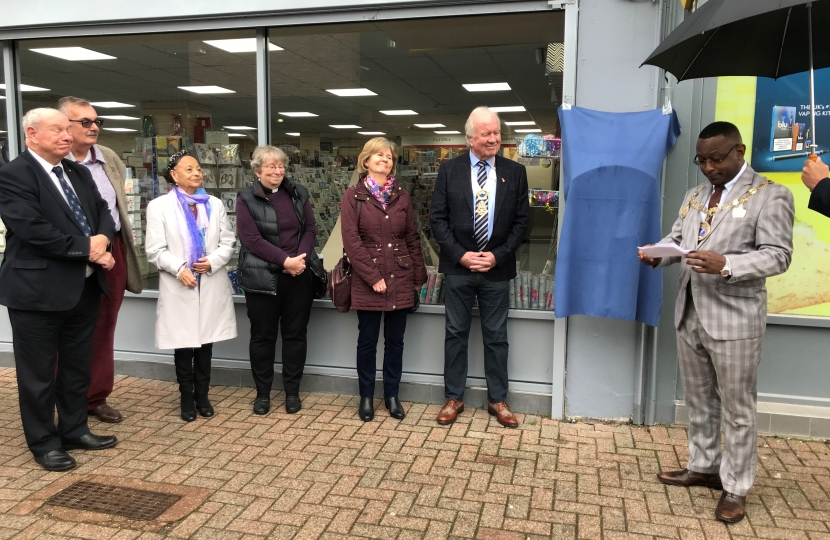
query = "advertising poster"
{"x": 774, "y": 119}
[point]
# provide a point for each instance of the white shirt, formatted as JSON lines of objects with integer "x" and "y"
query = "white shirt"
{"x": 48, "y": 168}
{"x": 489, "y": 187}
{"x": 726, "y": 187}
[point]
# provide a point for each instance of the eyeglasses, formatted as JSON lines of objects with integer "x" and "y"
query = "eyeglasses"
{"x": 703, "y": 162}
{"x": 273, "y": 167}
{"x": 87, "y": 123}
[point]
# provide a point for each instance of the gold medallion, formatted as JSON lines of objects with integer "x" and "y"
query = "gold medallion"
{"x": 481, "y": 208}
{"x": 705, "y": 229}
{"x": 684, "y": 212}
{"x": 739, "y": 212}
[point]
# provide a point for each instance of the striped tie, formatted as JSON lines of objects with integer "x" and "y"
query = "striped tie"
{"x": 481, "y": 221}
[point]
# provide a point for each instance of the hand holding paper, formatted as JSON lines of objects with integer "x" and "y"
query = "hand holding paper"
{"x": 651, "y": 255}
{"x": 663, "y": 250}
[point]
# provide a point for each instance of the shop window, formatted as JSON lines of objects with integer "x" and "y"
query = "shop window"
{"x": 156, "y": 94}
{"x": 335, "y": 87}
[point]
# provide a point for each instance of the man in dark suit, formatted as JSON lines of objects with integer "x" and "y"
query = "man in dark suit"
{"x": 59, "y": 230}
{"x": 815, "y": 177}
{"x": 479, "y": 216}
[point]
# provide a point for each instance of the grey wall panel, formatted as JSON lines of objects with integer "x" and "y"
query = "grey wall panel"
{"x": 795, "y": 365}
{"x": 5, "y": 327}
{"x": 332, "y": 339}
{"x": 601, "y": 367}
{"x": 602, "y": 353}
{"x": 53, "y": 12}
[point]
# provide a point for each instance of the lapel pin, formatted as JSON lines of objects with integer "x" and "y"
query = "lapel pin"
{"x": 502, "y": 179}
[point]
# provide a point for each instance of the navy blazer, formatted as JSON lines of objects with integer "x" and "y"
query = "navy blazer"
{"x": 451, "y": 216}
{"x": 44, "y": 267}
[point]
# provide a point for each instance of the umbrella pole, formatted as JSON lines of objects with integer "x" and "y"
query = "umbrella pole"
{"x": 813, "y": 144}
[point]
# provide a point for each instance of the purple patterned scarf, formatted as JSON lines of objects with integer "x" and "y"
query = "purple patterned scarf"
{"x": 193, "y": 228}
{"x": 380, "y": 193}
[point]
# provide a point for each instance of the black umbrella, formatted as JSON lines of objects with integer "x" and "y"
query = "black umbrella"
{"x": 762, "y": 38}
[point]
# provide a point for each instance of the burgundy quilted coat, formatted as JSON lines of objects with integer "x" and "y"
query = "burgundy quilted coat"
{"x": 384, "y": 245}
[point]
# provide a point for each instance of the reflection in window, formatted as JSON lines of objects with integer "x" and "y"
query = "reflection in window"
{"x": 415, "y": 82}
{"x": 156, "y": 94}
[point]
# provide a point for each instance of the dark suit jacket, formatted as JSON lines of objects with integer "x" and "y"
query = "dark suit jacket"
{"x": 820, "y": 198}
{"x": 44, "y": 267}
{"x": 451, "y": 216}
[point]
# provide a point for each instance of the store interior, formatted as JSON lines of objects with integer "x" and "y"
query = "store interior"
{"x": 332, "y": 87}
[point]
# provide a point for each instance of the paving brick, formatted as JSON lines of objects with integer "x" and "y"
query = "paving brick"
{"x": 325, "y": 474}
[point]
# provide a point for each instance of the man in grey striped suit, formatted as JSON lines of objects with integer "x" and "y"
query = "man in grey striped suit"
{"x": 740, "y": 226}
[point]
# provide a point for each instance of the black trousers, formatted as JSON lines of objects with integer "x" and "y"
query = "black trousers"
{"x": 52, "y": 352}
{"x": 193, "y": 369}
{"x": 493, "y": 303}
{"x": 394, "y": 326}
{"x": 288, "y": 312}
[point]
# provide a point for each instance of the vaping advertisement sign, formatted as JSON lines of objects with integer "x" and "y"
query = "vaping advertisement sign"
{"x": 782, "y": 120}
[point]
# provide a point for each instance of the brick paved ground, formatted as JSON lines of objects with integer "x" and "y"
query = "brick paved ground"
{"x": 325, "y": 474}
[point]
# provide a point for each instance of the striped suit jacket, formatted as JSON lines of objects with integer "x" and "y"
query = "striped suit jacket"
{"x": 758, "y": 245}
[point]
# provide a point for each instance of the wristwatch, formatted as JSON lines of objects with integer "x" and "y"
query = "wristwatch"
{"x": 727, "y": 269}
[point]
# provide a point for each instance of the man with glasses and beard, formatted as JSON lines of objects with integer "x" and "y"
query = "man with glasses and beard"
{"x": 739, "y": 228}
{"x": 109, "y": 174}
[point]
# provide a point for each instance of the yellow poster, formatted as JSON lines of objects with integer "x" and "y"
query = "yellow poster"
{"x": 803, "y": 289}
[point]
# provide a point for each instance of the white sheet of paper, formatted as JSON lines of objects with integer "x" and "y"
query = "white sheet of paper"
{"x": 664, "y": 250}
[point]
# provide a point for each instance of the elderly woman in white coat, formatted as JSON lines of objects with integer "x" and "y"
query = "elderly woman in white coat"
{"x": 190, "y": 240}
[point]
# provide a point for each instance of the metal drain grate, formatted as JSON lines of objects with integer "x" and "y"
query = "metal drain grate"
{"x": 120, "y": 501}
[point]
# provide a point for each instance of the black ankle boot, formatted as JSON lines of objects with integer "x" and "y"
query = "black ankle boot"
{"x": 203, "y": 405}
{"x": 367, "y": 409}
{"x": 188, "y": 407}
{"x": 395, "y": 407}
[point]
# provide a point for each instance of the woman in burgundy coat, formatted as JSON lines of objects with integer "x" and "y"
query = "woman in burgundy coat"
{"x": 381, "y": 239}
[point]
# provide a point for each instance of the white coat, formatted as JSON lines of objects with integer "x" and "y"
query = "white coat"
{"x": 190, "y": 317}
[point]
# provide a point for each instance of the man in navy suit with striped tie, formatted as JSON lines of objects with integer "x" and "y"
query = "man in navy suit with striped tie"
{"x": 59, "y": 230}
{"x": 479, "y": 216}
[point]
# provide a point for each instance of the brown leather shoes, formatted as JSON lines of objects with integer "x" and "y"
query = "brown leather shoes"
{"x": 450, "y": 411}
{"x": 503, "y": 414}
{"x": 687, "y": 478}
{"x": 107, "y": 414}
{"x": 731, "y": 508}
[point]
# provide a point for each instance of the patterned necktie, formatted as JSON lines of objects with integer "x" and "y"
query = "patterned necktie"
{"x": 481, "y": 219}
{"x": 74, "y": 203}
{"x": 714, "y": 200}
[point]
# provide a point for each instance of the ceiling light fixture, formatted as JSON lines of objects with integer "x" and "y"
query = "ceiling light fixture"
{"x": 371, "y": 133}
{"x": 239, "y": 45}
{"x": 515, "y": 108}
{"x": 236, "y": 135}
{"x": 293, "y": 134}
{"x": 240, "y": 128}
{"x": 344, "y": 126}
{"x": 351, "y": 92}
{"x": 487, "y": 87}
{"x": 110, "y": 104}
{"x": 74, "y": 54}
{"x": 528, "y": 131}
{"x": 297, "y": 114}
{"x": 402, "y": 112}
{"x": 122, "y": 130}
{"x": 208, "y": 89}
{"x": 522, "y": 123}
{"x": 28, "y": 88}
{"x": 429, "y": 125}
{"x": 448, "y": 132}
{"x": 118, "y": 117}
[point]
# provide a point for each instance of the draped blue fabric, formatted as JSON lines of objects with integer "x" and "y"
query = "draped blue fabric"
{"x": 611, "y": 187}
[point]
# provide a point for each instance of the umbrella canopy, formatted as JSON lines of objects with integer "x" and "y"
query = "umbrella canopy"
{"x": 761, "y": 38}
